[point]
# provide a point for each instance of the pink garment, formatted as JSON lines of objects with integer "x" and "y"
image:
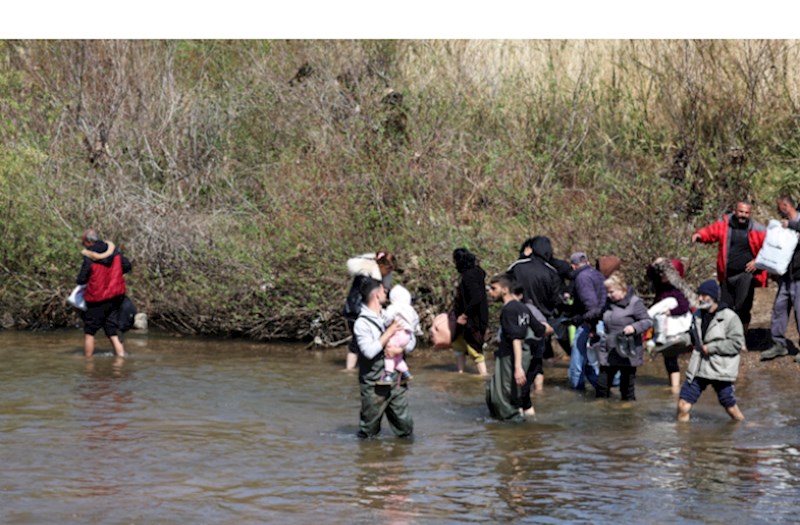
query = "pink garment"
{"x": 390, "y": 364}
{"x": 401, "y": 339}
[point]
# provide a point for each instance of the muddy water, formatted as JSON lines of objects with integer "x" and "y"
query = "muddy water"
{"x": 209, "y": 431}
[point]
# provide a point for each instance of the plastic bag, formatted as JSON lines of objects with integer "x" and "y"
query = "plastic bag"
{"x": 76, "y": 297}
{"x": 778, "y": 249}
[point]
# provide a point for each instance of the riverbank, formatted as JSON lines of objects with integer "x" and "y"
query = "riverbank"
{"x": 239, "y": 176}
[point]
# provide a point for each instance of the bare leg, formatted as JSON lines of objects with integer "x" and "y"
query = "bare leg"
{"x": 88, "y": 345}
{"x": 684, "y": 408}
{"x": 461, "y": 361}
{"x": 735, "y": 413}
{"x": 119, "y": 350}
{"x": 351, "y": 361}
{"x": 745, "y": 328}
{"x": 538, "y": 383}
{"x": 675, "y": 382}
{"x": 481, "y": 368}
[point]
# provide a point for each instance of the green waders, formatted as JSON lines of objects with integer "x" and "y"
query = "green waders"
{"x": 502, "y": 392}
{"x": 391, "y": 400}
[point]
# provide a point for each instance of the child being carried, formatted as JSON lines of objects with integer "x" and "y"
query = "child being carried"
{"x": 399, "y": 308}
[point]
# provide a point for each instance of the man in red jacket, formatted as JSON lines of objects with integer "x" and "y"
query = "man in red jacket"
{"x": 739, "y": 240}
{"x": 101, "y": 272}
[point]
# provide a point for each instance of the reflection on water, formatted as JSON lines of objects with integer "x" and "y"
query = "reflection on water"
{"x": 209, "y": 431}
{"x": 384, "y": 481}
{"x": 102, "y": 400}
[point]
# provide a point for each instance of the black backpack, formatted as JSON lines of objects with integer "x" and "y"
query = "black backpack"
{"x": 352, "y": 306}
{"x": 127, "y": 312}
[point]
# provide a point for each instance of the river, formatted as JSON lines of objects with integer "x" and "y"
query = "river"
{"x": 191, "y": 430}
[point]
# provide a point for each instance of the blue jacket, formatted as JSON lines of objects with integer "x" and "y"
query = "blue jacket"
{"x": 590, "y": 293}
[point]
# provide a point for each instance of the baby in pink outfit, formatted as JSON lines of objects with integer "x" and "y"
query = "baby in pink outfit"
{"x": 399, "y": 308}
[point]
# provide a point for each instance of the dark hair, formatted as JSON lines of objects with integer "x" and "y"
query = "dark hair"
{"x": 518, "y": 289}
{"x": 464, "y": 259}
{"x": 506, "y": 281}
{"x": 788, "y": 200}
{"x": 367, "y": 286}
{"x": 386, "y": 259}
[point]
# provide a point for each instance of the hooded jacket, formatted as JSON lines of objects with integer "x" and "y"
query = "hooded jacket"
{"x": 540, "y": 284}
{"x": 103, "y": 276}
{"x": 470, "y": 299}
{"x": 724, "y": 339}
{"x": 543, "y": 249}
{"x": 720, "y": 232}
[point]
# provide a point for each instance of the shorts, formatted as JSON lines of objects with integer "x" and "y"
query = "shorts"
{"x": 461, "y": 346}
{"x": 726, "y": 393}
{"x": 105, "y": 315}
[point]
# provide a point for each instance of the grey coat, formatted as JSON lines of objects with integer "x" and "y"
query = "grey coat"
{"x": 724, "y": 339}
{"x": 629, "y": 311}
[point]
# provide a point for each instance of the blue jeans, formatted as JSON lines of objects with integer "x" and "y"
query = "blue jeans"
{"x": 582, "y": 363}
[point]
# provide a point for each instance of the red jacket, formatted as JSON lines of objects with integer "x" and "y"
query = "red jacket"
{"x": 718, "y": 232}
{"x": 105, "y": 281}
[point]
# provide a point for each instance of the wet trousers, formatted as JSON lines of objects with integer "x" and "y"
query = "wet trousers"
{"x": 503, "y": 395}
{"x": 377, "y": 400}
{"x": 627, "y": 379}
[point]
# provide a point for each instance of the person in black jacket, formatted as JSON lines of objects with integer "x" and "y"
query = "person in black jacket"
{"x": 471, "y": 310}
{"x": 541, "y": 282}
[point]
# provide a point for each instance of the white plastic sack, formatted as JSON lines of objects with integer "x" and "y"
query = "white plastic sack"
{"x": 76, "y": 297}
{"x": 778, "y": 248}
{"x": 668, "y": 326}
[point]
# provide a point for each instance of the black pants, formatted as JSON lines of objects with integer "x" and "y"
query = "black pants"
{"x": 671, "y": 364}
{"x": 105, "y": 315}
{"x": 737, "y": 292}
{"x": 627, "y": 380}
{"x": 534, "y": 369}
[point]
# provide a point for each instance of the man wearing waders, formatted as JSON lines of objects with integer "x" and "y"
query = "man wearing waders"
{"x": 372, "y": 337}
{"x": 513, "y": 356}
